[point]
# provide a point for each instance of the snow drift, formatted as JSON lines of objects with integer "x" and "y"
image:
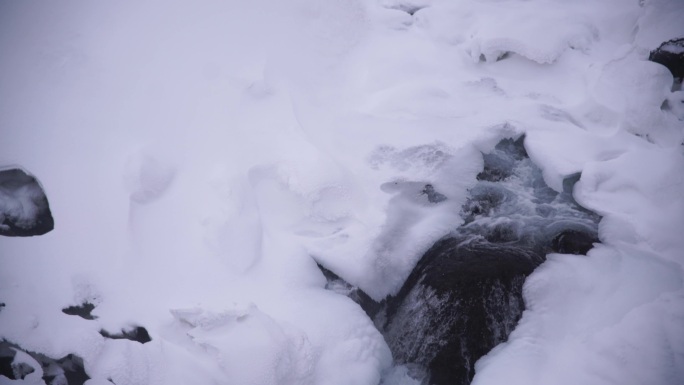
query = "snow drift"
{"x": 200, "y": 159}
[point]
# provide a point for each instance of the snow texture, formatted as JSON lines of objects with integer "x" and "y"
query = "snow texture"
{"x": 200, "y": 159}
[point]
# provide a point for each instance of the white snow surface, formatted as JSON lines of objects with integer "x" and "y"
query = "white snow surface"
{"x": 200, "y": 157}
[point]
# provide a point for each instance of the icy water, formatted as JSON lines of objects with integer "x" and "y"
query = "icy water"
{"x": 465, "y": 296}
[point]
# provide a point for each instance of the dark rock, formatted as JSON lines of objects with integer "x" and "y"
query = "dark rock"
{"x": 463, "y": 298}
{"x": 569, "y": 183}
{"x": 6, "y": 359}
{"x": 573, "y": 241}
{"x": 9, "y": 368}
{"x": 465, "y": 294}
{"x": 83, "y": 310}
{"x": 137, "y": 334}
{"x": 24, "y": 208}
{"x": 68, "y": 370}
{"x": 499, "y": 164}
{"x": 22, "y": 370}
{"x": 671, "y": 55}
{"x": 64, "y": 371}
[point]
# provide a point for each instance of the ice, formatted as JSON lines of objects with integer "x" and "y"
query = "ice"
{"x": 206, "y": 156}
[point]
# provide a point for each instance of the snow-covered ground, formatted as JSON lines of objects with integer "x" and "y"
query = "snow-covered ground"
{"x": 200, "y": 157}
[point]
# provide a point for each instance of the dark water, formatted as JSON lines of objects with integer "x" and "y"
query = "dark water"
{"x": 464, "y": 296}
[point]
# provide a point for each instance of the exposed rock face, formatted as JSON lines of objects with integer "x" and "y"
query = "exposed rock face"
{"x": 462, "y": 301}
{"x": 24, "y": 208}
{"x": 671, "y": 55}
{"x": 83, "y": 310}
{"x": 17, "y": 364}
{"x": 465, "y": 295}
{"x": 136, "y": 333}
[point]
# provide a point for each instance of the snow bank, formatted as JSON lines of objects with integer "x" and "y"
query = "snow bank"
{"x": 199, "y": 158}
{"x": 595, "y": 320}
{"x": 615, "y": 315}
{"x": 659, "y": 23}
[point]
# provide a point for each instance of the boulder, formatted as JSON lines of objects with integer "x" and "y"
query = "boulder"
{"x": 671, "y": 55}
{"x": 24, "y": 208}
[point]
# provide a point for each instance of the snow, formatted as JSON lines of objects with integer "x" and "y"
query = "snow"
{"x": 627, "y": 332}
{"x": 658, "y": 23}
{"x": 200, "y": 157}
{"x": 672, "y": 48}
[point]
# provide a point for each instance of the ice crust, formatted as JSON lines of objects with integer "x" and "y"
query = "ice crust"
{"x": 201, "y": 157}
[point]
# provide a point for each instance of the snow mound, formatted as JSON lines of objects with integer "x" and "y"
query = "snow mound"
{"x": 199, "y": 155}
{"x": 539, "y": 35}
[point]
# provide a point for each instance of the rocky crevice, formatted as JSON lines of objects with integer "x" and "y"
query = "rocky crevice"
{"x": 465, "y": 295}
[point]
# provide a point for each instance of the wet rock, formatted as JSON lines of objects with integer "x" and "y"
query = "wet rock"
{"x": 67, "y": 370}
{"x": 463, "y": 299}
{"x": 464, "y": 296}
{"x": 83, "y": 310}
{"x": 137, "y": 334}
{"x": 573, "y": 241}
{"x": 499, "y": 164}
{"x": 18, "y": 364}
{"x": 24, "y": 208}
{"x": 671, "y": 55}
{"x": 413, "y": 191}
